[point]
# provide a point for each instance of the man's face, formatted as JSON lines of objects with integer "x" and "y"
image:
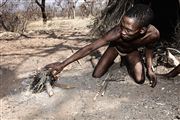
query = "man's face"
{"x": 130, "y": 28}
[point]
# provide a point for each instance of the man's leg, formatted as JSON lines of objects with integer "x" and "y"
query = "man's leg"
{"x": 135, "y": 67}
{"x": 105, "y": 62}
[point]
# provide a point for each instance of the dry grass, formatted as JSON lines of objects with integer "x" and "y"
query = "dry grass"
{"x": 59, "y": 23}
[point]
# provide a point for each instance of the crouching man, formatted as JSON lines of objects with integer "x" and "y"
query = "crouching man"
{"x": 133, "y": 31}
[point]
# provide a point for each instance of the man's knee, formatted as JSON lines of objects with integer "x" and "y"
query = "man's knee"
{"x": 139, "y": 77}
{"x": 96, "y": 75}
{"x": 139, "y": 80}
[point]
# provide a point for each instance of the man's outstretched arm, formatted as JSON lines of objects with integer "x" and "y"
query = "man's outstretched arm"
{"x": 112, "y": 35}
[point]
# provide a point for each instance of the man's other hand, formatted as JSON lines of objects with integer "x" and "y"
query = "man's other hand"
{"x": 152, "y": 78}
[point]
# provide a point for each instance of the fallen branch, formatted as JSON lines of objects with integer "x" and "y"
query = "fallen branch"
{"x": 64, "y": 86}
{"x": 103, "y": 87}
{"x": 173, "y": 50}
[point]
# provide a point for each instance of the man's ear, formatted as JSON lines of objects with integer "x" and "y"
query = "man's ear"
{"x": 143, "y": 30}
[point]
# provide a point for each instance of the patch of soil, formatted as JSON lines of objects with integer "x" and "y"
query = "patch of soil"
{"x": 123, "y": 99}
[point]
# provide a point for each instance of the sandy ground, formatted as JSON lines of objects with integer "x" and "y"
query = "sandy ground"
{"x": 123, "y": 99}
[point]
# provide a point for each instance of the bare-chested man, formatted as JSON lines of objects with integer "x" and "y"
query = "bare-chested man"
{"x": 134, "y": 31}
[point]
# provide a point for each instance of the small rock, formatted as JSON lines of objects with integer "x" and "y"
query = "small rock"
{"x": 177, "y": 80}
{"x": 146, "y": 106}
{"x": 177, "y": 117}
{"x": 162, "y": 88}
{"x": 160, "y": 104}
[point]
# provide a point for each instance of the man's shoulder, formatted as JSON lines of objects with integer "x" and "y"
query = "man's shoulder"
{"x": 154, "y": 32}
{"x": 113, "y": 34}
{"x": 153, "y": 36}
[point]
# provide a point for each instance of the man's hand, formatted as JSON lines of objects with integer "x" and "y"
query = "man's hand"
{"x": 152, "y": 78}
{"x": 56, "y": 67}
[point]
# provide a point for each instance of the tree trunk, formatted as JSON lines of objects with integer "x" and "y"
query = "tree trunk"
{"x": 3, "y": 25}
{"x": 71, "y": 9}
{"x": 92, "y": 8}
{"x": 44, "y": 16}
{"x": 43, "y": 10}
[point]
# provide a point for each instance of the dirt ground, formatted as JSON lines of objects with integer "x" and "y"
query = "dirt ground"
{"x": 21, "y": 57}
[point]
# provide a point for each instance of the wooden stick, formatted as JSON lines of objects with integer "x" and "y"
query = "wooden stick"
{"x": 64, "y": 86}
{"x": 173, "y": 49}
{"x": 102, "y": 88}
{"x": 49, "y": 89}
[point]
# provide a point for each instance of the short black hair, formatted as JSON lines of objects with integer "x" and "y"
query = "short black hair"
{"x": 142, "y": 13}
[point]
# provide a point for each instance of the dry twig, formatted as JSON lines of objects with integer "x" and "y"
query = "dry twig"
{"x": 103, "y": 87}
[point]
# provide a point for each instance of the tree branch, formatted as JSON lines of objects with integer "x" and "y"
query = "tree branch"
{"x": 4, "y": 3}
{"x": 38, "y": 3}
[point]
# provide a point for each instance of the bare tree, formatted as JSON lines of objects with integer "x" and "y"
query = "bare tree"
{"x": 32, "y": 11}
{"x": 63, "y": 5}
{"x": 13, "y": 18}
{"x": 92, "y": 7}
{"x": 43, "y": 10}
{"x": 90, "y": 4}
{"x": 71, "y": 8}
{"x": 9, "y": 20}
{"x": 3, "y": 3}
{"x": 67, "y": 6}
{"x": 84, "y": 10}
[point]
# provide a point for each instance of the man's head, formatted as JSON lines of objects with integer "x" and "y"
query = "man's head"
{"x": 135, "y": 21}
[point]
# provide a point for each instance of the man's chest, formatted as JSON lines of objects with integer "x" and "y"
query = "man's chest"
{"x": 127, "y": 47}
{"x": 129, "y": 44}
